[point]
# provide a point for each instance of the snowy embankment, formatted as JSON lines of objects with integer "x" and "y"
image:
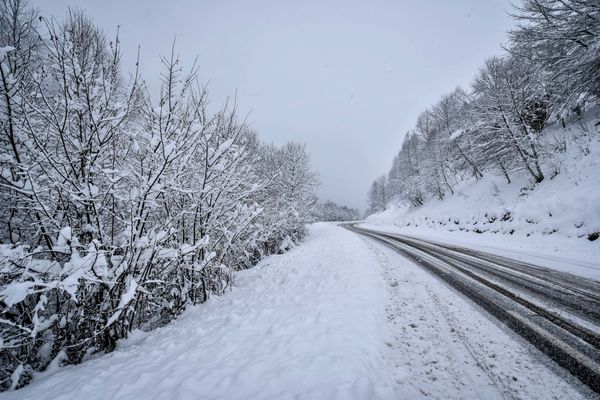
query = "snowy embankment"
{"x": 554, "y": 223}
{"x": 308, "y": 324}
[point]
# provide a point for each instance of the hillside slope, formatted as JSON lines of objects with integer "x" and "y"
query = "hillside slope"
{"x": 559, "y": 215}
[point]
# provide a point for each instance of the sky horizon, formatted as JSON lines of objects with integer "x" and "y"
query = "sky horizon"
{"x": 345, "y": 77}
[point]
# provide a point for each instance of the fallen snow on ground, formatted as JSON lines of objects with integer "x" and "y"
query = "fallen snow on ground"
{"x": 339, "y": 317}
{"x": 308, "y": 324}
{"x": 442, "y": 346}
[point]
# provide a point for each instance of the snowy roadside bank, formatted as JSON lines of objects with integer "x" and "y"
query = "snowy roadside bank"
{"x": 555, "y": 223}
{"x": 572, "y": 255}
{"x": 308, "y": 324}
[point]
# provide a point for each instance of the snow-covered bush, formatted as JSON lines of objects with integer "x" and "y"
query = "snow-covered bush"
{"x": 333, "y": 212}
{"x": 119, "y": 210}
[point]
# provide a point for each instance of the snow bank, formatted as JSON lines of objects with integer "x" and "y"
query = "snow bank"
{"x": 561, "y": 215}
{"x": 308, "y": 324}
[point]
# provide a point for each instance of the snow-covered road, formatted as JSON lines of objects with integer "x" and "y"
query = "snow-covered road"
{"x": 308, "y": 324}
{"x": 339, "y": 317}
{"x": 572, "y": 255}
{"x": 445, "y": 347}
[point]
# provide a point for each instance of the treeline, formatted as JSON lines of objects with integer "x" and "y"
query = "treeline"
{"x": 333, "y": 212}
{"x": 118, "y": 210}
{"x": 550, "y": 74}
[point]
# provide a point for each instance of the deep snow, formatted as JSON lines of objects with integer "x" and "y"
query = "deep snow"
{"x": 338, "y": 317}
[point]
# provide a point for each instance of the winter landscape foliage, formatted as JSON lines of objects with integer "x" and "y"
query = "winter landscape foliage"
{"x": 530, "y": 115}
{"x": 118, "y": 210}
{"x": 121, "y": 208}
{"x": 330, "y": 211}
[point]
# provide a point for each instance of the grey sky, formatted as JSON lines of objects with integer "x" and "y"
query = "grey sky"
{"x": 346, "y": 77}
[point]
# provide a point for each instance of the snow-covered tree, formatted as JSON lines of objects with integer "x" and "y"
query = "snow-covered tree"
{"x": 508, "y": 104}
{"x": 19, "y": 57}
{"x": 562, "y": 39}
{"x": 333, "y": 212}
{"x": 378, "y": 195}
{"x": 550, "y": 73}
{"x": 118, "y": 209}
{"x": 435, "y": 147}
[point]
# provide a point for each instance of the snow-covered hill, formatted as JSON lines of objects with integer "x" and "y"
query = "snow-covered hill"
{"x": 560, "y": 214}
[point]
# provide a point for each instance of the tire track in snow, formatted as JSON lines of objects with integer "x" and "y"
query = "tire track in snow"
{"x": 442, "y": 357}
{"x": 455, "y": 350}
{"x": 481, "y": 363}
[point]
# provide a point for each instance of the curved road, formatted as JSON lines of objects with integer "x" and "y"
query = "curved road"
{"x": 557, "y": 312}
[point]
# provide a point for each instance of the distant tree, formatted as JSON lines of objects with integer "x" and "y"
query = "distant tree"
{"x": 332, "y": 212}
{"x": 435, "y": 149}
{"x": 288, "y": 198}
{"x": 508, "y": 103}
{"x": 378, "y": 197}
{"x": 404, "y": 179}
{"x": 450, "y": 114}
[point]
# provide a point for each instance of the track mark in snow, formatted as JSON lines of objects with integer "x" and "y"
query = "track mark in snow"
{"x": 442, "y": 346}
{"x": 456, "y": 330}
{"x": 416, "y": 323}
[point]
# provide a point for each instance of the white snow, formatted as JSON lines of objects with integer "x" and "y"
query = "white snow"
{"x": 126, "y": 298}
{"x": 338, "y": 317}
{"x": 16, "y": 292}
{"x": 4, "y": 50}
{"x": 64, "y": 238}
{"x": 442, "y": 346}
{"x": 14, "y": 377}
{"x": 547, "y": 224}
{"x": 308, "y": 324}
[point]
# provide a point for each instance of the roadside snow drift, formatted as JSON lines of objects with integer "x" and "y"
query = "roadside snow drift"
{"x": 554, "y": 223}
{"x": 308, "y": 324}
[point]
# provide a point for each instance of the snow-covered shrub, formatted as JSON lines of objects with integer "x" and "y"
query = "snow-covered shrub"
{"x": 119, "y": 210}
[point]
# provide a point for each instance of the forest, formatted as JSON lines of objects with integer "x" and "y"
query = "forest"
{"x": 549, "y": 76}
{"x": 119, "y": 209}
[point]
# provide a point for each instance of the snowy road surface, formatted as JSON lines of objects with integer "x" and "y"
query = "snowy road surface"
{"x": 572, "y": 255}
{"x": 339, "y": 317}
{"x": 557, "y": 312}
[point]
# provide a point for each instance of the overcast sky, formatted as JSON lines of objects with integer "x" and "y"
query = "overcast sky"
{"x": 348, "y": 78}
